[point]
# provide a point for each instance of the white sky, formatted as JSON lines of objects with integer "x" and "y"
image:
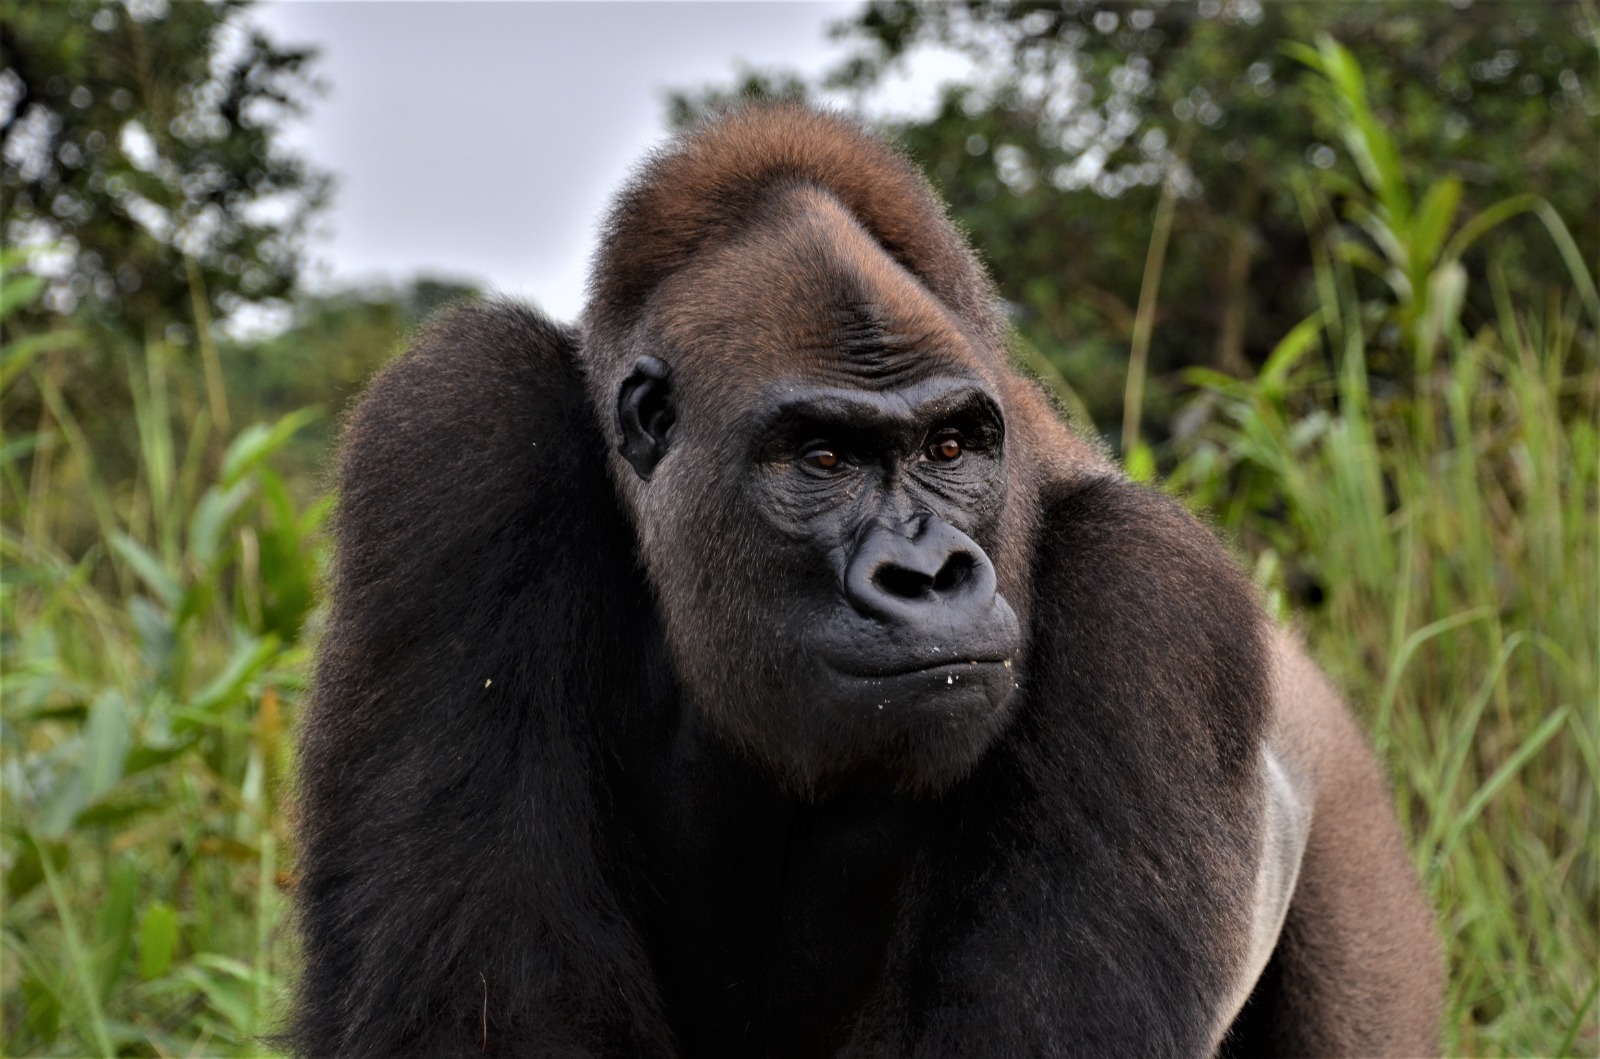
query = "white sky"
{"x": 482, "y": 141}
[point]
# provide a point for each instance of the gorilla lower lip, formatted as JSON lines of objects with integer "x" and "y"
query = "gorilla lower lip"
{"x": 955, "y": 669}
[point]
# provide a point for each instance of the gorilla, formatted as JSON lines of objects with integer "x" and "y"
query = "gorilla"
{"x": 762, "y": 668}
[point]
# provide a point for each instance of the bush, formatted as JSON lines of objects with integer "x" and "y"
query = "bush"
{"x": 150, "y": 684}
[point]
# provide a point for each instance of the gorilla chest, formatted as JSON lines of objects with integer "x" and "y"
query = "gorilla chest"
{"x": 769, "y": 921}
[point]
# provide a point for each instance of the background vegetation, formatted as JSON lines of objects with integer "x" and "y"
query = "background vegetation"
{"x": 1326, "y": 270}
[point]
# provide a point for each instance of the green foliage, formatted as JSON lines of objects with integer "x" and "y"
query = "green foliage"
{"x": 1448, "y": 535}
{"x": 144, "y": 175}
{"x": 1418, "y": 257}
{"x": 149, "y": 684}
{"x": 141, "y": 141}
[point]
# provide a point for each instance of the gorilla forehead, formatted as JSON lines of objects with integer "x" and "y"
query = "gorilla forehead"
{"x": 808, "y": 295}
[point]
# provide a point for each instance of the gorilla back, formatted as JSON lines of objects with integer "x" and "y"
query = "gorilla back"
{"x": 762, "y": 668}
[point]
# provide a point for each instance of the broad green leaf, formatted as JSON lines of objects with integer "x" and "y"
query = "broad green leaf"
{"x": 1339, "y": 66}
{"x": 1369, "y": 143}
{"x": 104, "y": 746}
{"x": 281, "y": 502}
{"x": 154, "y": 626}
{"x": 114, "y": 923}
{"x": 158, "y": 939}
{"x": 1140, "y": 463}
{"x": 228, "y": 985}
{"x": 316, "y": 513}
{"x": 211, "y": 518}
{"x": 258, "y": 441}
{"x": 17, "y": 291}
{"x": 21, "y": 352}
{"x": 248, "y": 659}
{"x": 1362, "y": 256}
{"x": 144, "y": 757}
{"x": 1212, "y": 379}
{"x": 15, "y": 448}
{"x": 1304, "y": 53}
{"x": 1287, "y": 353}
{"x": 62, "y": 807}
{"x": 1378, "y": 226}
{"x": 149, "y": 569}
{"x": 1428, "y": 232}
{"x": 110, "y": 813}
{"x": 105, "y": 742}
{"x": 1447, "y": 290}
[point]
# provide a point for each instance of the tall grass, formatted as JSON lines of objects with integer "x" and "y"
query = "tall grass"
{"x": 148, "y": 688}
{"x": 1451, "y": 528}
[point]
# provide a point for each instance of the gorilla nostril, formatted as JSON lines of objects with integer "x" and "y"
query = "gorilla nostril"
{"x": 937, "y": 575}
{"x": 902, "y": 582}
{"x": 906, "y": 583}
{"x": 956, "y": 571}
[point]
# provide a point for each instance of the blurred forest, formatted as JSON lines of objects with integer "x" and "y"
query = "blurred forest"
{"x": 1324, "y": 270}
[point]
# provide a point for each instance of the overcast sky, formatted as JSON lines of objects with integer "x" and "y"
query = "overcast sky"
{"x": 483, "y": 140}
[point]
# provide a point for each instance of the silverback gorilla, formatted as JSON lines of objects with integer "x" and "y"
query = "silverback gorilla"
{"x": 761, "y": 668}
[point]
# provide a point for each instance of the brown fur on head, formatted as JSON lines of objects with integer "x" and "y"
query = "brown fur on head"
{"x": 715, "y": 181}
{"x": 718, "y": 187}
{"x": 775, "y": 251}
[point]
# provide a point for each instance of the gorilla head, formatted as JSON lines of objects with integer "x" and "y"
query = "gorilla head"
{"x": 816, "y": 454}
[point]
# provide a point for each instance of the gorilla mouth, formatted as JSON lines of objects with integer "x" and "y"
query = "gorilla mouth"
{"x": 959, "y": 645}
{"x": 954, "y": 665}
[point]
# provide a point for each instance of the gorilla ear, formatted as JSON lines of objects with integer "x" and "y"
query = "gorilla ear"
{"x": 645, "y": 415}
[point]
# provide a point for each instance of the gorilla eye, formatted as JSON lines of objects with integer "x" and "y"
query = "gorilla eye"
{"x": 944, "y": 449}
{"x": 822, "y": 459}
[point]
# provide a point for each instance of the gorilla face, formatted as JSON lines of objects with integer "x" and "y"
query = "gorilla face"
{"x": 888, "y": 492}
{"x": 819, "y": 512}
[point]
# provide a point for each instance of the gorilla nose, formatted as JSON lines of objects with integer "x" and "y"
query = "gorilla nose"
{"x": 934, "y": 571}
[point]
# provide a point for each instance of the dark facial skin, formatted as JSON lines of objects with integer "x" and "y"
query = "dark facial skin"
{"x": 891, "y": 489}
{"x": 821, "y": 487}
{"x": 871, "y": 509}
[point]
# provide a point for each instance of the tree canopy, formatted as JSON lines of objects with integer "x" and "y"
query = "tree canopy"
{"x": 141, "y": 143}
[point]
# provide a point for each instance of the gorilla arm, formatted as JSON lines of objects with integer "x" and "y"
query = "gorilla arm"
{"x": 1357, "y": 969}
{"x": 453, "y": 893}
{"x": 1177, "y": 772}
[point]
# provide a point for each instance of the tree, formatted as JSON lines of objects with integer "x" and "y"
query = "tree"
{"x": 141, "y": 142}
